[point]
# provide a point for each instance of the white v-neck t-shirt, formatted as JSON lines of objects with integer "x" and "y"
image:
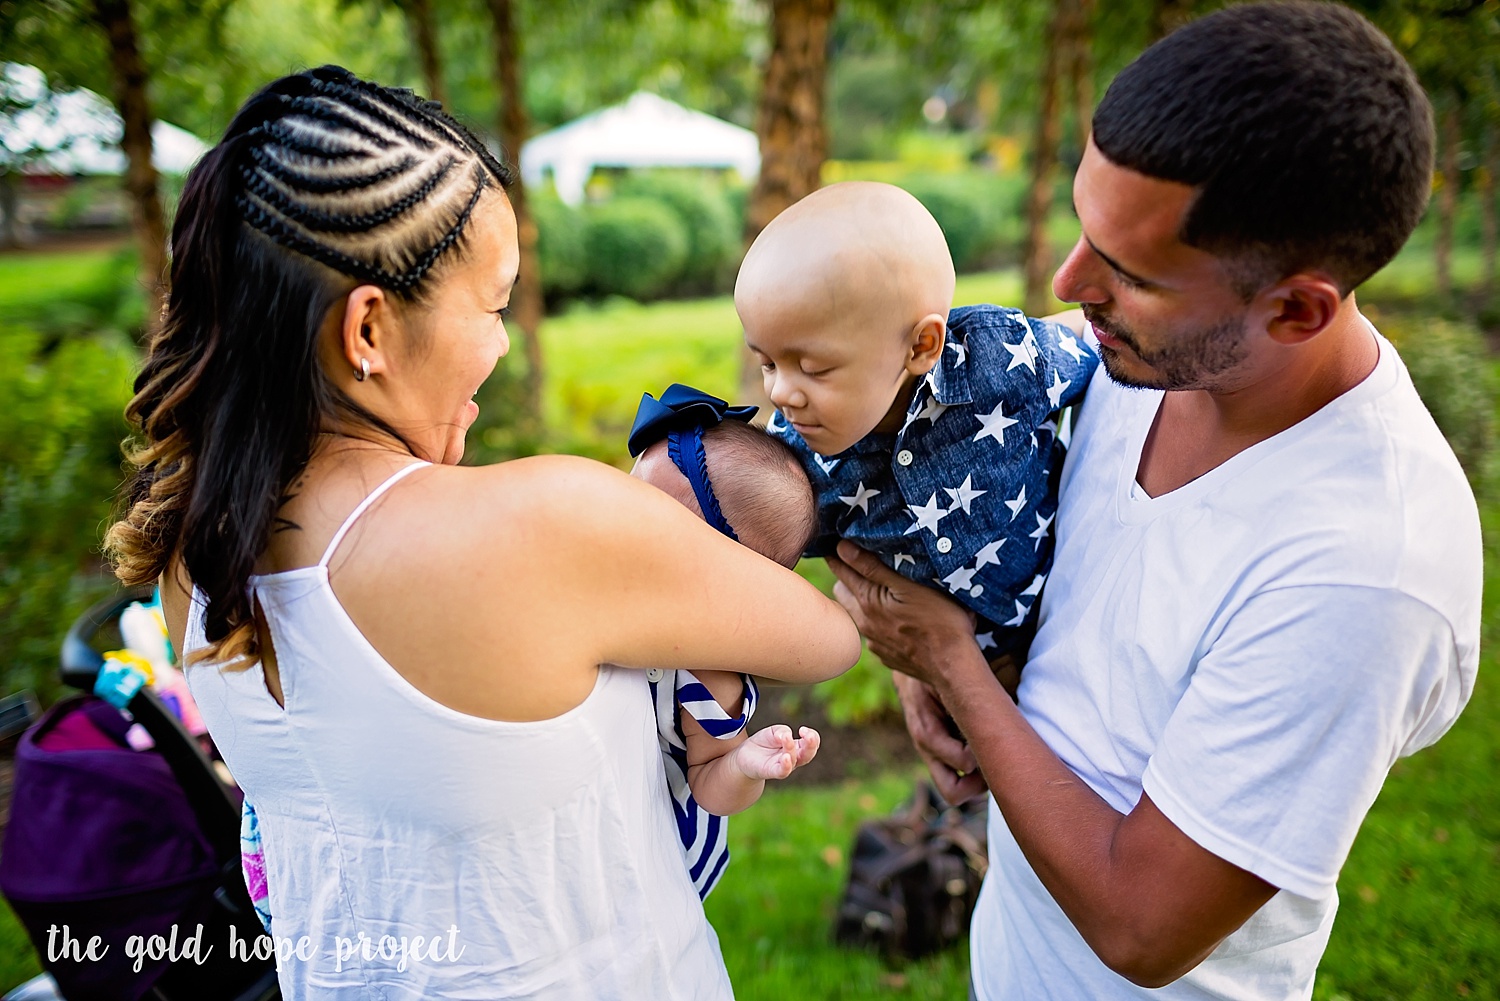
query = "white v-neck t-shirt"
{"x": 1254, "y": 650}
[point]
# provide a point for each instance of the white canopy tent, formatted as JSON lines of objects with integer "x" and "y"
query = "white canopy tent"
{"x": 77, "y": 132}
{"x": 645, "y": 131}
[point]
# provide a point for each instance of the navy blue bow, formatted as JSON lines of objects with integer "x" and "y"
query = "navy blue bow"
{"x": 680, "y": 417}
{"x": 680, "y": 407}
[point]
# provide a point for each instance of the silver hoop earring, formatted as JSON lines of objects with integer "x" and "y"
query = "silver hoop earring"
{"x": 364, "y": 370}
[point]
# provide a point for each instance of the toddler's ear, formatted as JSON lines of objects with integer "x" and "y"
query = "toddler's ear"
{"x": 926, "y": 341}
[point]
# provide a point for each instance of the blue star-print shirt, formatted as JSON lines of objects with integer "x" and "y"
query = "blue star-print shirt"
{"x": 963, "y": 496}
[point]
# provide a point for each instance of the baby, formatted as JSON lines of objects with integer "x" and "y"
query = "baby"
{"x": 705, "y": 454}
{"x": 932, "y": 438}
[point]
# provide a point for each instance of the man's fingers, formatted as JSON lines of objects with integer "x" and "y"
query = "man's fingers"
{"x": 864, "y": 563}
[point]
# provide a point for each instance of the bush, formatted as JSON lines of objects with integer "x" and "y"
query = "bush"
{"x": 560, "y": 244}
{"x": 1450, "y": 366}
{"x": 60, "y": 434}
{"x": 636, "y": 247}
{"x": 966, "y": 211}
{"x": 707, "y": 216}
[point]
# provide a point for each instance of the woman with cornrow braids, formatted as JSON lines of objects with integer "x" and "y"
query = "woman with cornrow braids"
{"x": 400, "y": 657}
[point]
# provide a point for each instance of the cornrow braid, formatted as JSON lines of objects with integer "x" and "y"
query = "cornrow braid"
{"x": 321, "y": 179}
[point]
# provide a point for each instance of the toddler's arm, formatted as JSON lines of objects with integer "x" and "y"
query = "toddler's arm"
{"x": 728, "y": 775}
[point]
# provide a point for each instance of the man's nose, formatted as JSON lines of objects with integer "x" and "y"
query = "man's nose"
{"x": 1076, "y": 280}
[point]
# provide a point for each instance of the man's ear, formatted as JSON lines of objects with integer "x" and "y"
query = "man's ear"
{"x": 363, "y": 334}
{"x": 1298, "y": 308}
{"x": 927, "y": 338}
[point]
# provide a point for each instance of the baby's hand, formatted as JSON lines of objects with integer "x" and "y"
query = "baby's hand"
{"x": 773, "y": 753}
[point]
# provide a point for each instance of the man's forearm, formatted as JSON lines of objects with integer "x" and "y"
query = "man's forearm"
{"x": 1103, "y": 871}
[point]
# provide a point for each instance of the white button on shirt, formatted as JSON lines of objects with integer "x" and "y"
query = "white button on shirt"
{"x": 903, "y": 457}
{"x": 944, "y": 544}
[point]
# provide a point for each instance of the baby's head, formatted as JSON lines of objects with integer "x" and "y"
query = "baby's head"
{"x": 844, "y": 299}
{"x": 760, "y": 487}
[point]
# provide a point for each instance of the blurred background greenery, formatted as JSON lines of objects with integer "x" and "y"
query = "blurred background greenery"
{"x": 978, "y": 108}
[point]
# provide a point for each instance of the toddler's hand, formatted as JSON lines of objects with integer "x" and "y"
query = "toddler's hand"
{"x": 773, "y": 753}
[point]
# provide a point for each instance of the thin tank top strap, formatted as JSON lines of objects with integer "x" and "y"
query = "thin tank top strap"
{"x": 364, "y": 505}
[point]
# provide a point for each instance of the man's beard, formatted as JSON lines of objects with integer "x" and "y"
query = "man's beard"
{"x": 1190, "y": 361}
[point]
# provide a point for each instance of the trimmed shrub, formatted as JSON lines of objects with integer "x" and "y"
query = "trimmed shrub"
{"x": 706, "y": 214}
{"x": 1451, "y": 367}
{"x": 59, "y": 468}
{"x": 560, "y": 243}
{"x": 636, "y": 247}
{"x": 965, "y": 215}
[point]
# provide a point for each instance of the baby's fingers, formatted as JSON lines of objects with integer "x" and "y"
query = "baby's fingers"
{"x": 807, "y": 745}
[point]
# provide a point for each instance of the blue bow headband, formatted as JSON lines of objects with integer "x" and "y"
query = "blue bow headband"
{"x": 680, "y": 417}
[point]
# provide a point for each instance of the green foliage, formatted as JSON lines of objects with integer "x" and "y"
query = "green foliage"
{"x": 636, "y": 247}
{"x": 1449, "y": 367}
{"x": 560, "y": 242}
{"x": 713, "y": 230}
{"x": 968, "y": 207}
{"x": 60, "y": 434}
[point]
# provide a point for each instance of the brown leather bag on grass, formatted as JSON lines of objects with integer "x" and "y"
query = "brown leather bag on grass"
{"x": 914, "y": 877}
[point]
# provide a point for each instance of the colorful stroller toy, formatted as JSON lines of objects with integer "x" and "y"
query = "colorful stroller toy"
{"x": 120, "y": 828}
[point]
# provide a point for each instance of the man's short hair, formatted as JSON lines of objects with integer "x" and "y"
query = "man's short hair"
{"x": 1305, "y": 131}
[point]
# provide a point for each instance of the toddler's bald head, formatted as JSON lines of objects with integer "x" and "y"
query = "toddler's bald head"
{"x": 858, "y": 250}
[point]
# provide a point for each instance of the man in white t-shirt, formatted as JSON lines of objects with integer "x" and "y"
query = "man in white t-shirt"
{"x": 1268, "y": 569}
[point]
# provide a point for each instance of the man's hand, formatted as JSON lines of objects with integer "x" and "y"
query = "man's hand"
{"x": 955, "y": 770}
{"x": 910, "y": 627}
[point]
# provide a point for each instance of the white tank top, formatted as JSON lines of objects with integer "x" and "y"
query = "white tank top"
{"x": 415, "y": 852}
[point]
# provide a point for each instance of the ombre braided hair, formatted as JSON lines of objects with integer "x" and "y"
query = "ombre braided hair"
{"x": 322, "y": 181}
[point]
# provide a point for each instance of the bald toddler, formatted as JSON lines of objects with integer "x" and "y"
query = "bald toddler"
{"x": 933, "y": 436}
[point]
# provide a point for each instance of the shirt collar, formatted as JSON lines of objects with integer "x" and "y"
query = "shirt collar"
{"x": 949, "y": 379}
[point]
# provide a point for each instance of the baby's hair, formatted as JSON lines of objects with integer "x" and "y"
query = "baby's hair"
{"x": 763, "y": 490}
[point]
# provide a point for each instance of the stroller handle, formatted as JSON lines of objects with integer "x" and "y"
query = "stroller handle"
{"x": 80, "y": 662}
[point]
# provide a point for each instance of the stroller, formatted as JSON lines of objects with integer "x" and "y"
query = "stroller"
{"x": 111, "y": 838}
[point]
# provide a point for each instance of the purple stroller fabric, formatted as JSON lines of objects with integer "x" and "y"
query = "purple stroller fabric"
{"x": 101, "y": 838}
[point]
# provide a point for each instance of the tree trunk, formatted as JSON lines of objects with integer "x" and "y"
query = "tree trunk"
{"x": 1442, "y": 244}
{"x": 1080, "y": 48}
{"x": 10, "y": 205}
{"x": 790, "y": 125}
{"x": 1037, "y": 251}
{"x": 424, "y": 34}
{"x": 1489, "y": 231}
{"x": 130, "y": 78}
{"x": 527, "y": 305}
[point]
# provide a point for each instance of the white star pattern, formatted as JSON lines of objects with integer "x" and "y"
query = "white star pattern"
{"x": 1017, "y": 504}
{"x": 1042, "y": 524}
{"x": 964, "y": 494}
{"x": 1035, "y": 587}
{"x": 928, "y": 515}
{"x": 903, "y": 558}
{"x": 774, "y": 425}
{"x": 986, "y": 641}
{"x": 961, "y": 579}
{"x": 988, "y": 554}
{"x": 961, "y": 351}
{"x": 1065, "y": 427}
{"x": 861, "y": 498}
{"x": 1022, "y": 354}
{"x": 930, "y": 411}
{"x": 827, "y": 465}
{"x": 1020, "y": 619}
{"x": 1058, "y": 387}
{"x": 1069, "y": 344}
{"x": 994, "y": 423}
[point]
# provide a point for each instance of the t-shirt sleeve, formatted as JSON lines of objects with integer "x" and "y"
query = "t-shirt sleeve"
{"x": 1291, "y": 721}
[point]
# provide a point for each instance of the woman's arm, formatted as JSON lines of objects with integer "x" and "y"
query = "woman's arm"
{"x": 644, "y": 583}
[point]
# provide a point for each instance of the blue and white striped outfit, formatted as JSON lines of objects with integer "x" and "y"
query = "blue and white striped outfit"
{"x": 705, "y": 836}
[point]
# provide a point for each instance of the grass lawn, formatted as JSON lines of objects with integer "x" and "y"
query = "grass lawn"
{"x": 1420, "y": 916}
